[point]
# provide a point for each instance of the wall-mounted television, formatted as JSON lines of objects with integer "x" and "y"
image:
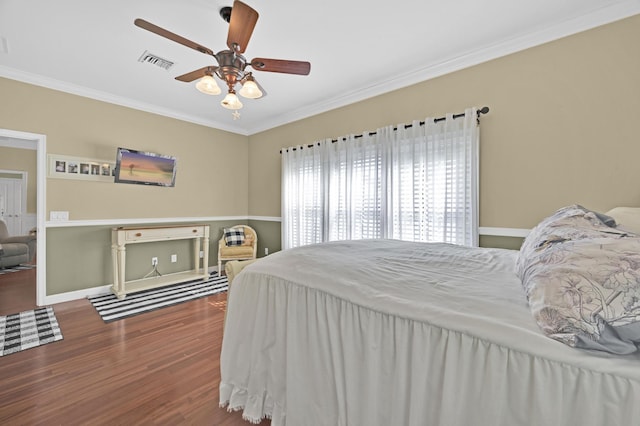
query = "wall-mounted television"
{"x": 144, "y": 168}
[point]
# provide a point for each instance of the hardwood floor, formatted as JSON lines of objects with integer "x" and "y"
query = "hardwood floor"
{"x": 17, "y": 292}
{"x": 158, "y": 368}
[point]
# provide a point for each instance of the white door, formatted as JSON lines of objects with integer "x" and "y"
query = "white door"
{"x": 11, "y": 206}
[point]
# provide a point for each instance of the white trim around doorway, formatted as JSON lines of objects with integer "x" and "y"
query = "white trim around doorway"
{"x": 17, "y": 139}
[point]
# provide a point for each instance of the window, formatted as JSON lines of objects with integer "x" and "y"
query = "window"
{"x": 415, "y": 183}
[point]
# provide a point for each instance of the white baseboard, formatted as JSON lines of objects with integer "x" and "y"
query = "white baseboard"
{"x": 88, "y": 292}
{"x": 76, "y": 295}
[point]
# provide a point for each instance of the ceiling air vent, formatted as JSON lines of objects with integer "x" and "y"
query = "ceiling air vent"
{"x": 155, "y": 60}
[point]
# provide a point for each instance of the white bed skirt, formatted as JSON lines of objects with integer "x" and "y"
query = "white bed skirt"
{"x": 387, "y": 332}
{"x": 306, "y": 350}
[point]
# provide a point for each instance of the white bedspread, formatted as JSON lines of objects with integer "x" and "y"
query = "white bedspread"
{"x": 383, "y": 332}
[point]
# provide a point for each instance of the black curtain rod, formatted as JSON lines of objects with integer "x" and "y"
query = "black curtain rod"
{"x": 479, "y": 112}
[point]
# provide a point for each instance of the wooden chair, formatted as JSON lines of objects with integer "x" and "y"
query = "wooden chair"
{"x": 246, "y": 250}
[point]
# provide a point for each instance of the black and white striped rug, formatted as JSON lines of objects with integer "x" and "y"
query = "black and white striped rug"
{"x": 16, "y": 269}
{"x": 28, "y": 329}
{"x": 111, "y": 308}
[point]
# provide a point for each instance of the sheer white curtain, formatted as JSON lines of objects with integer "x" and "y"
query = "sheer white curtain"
{"x": 415, "y": 183}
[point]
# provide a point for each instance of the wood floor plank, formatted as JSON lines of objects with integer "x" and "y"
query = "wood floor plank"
{"x": 158, "y": 368}
{"x": 17, "y": 291}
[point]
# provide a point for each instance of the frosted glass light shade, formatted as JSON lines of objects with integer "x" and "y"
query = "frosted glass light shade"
{"x": 208, "y": 85}
{"x": 231, "y": 101}
{"x": 250, "y": 90}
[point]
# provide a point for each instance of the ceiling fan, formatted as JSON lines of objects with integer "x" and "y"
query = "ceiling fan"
{"x": 232, "y": 64}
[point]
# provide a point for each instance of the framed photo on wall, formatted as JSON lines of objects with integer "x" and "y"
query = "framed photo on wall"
{"x": 78, "y": 168}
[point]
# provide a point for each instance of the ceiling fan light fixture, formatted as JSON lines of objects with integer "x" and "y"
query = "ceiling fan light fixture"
{"x": 208, "y": 85}
{"x": 231, "y": 63}
{"x": 250, "y": 89}
{"x": 231, "y": 101}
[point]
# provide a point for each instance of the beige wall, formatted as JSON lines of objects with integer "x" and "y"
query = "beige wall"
{"x": 206, "y": 184}
{"x": 22, "y": 160}
{"x": 83, "y": 127}
{"x": 560, "y": 131}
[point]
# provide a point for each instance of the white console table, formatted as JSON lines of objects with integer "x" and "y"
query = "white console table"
{"x": 120, "y": 237}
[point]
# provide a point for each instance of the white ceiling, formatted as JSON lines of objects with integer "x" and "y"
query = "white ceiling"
{"x": 357, "y": 48}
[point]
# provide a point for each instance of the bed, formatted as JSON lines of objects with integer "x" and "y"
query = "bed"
{"x": 385, "y": 332}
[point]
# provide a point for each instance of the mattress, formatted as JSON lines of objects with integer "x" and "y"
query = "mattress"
{"x": 381, "y": 332}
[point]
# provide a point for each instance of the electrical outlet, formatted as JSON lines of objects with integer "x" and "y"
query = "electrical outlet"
{"x": 266, "y": 251}
{"x": 154, "y": 261}
{"x": 201, "y": 254}
{"x": 58, "y": 216}
{"x": 174, "y": 258}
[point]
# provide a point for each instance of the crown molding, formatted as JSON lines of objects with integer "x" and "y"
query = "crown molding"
{"x": 604, "y": 15}
{"x": 62, "y": 86}
{"x": 596, "y": 18}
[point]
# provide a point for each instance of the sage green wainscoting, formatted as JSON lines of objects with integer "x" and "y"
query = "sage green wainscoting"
{"x": 512, "y": 243}
{"x": 79, "y": 257}
{"x": 269, "y": 235}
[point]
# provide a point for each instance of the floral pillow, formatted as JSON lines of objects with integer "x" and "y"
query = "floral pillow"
{"x": 582, "y": 281}
{"x": 569, "y": 223}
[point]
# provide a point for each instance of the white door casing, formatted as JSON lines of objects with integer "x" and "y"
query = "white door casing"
{"x": 17, "y": 139}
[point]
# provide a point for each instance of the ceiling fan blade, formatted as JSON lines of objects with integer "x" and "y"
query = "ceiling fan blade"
{"x": 243, "y": 20}
{"x": 171, "y": 36}
{"x": 194, "y": 75}
{"x": 281, "y": 65}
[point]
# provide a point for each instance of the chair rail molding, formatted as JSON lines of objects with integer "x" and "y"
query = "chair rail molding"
{"x": 504, "y": 232}
{"x": 140, "y": 221}
{"x": 483, "y": 230}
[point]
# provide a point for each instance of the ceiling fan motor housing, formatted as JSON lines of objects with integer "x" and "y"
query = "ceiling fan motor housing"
{"x": 225, "y": 13}
{"x": 242, "y": 19}
{"x": 231, "y": 66}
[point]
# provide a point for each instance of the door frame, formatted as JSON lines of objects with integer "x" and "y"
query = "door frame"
{"x": 16, "y": 139}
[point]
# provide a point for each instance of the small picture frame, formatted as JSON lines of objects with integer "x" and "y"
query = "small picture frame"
{"x": 78, "y": 168}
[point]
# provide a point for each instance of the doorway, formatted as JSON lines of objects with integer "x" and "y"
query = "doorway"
{"x": 37, "y": 143}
